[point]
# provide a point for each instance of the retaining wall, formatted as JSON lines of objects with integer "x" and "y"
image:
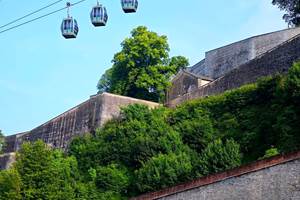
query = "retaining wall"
{"x": 277, "y": 178}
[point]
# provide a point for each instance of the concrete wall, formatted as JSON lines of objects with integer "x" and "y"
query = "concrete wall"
{"x": 220, "y": 61}
{"x": 278, "y": 60}
{"x": 277, "y": 178}
{"x": 275, "y": 183}
{"x": 86, "y": 117}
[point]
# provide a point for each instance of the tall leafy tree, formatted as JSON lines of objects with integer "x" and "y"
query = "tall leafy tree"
{"x": 142, "y": 69}
{"x": 45, "y": 174}
{"x": 292, "y": 8}
{"x": 10, "y": 185}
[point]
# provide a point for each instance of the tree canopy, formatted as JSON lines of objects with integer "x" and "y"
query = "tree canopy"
{"x": 142, "y": 69}
{"x": 292, "y": 8}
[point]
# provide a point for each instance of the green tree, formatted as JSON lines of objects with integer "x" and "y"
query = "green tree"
{"x": 45, "y": 174}
{"x": 10, "y": 185}
{"x": 142, "y": 69}
{"x": 292, "y": 8}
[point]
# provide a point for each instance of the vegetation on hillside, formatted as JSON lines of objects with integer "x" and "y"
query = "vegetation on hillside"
{"x": 146, "y": 150}
{"x": 142, "y": 68}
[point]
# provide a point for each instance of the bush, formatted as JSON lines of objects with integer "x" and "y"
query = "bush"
{"x": 112, "y": 178}
{"x": 218, "y": 157}
{"x": 162, "y": 171}
{"x": 196, "y": 133}
{"x": 270, "y": 153}
{"x": 293, "y": 82}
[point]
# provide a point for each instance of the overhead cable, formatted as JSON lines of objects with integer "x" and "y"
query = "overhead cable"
{"x": 40, "y": 17}
{"x": 32, "y": 13}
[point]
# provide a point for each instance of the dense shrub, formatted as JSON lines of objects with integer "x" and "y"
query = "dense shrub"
{"x": 219, "y": 156}
{"x": 112, "y": 178}
{"x": 162, "y": 171}
{"x": 10, "y": 185}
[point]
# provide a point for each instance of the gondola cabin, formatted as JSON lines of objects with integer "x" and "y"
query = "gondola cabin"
{"x": 99, "y": 15}
{"x": 69, "y": 28}
{"x": 129, "y": 6}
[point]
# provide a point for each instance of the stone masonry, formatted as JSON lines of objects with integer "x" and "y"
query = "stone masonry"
{"x": 86, "y": 117}
{"x": 6, "y": 160}
{"x": 275, "y": 61}
{"x": 222, "y": 60}
{"x": 277, "y": 178}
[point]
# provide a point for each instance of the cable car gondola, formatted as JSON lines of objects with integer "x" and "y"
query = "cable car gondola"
{"x": 69, "y": 26}
{"x": 129, "y": 6}
{"x": 99, "y": 15}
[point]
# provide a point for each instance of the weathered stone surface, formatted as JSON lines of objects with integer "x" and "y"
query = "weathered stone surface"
{"x": 86, "y": 117}
{"x": 222, "y": 60}
{"x": 277, "y": 178}
{"x": 6, "y": 160}
{"x": 276, "y": 61}
{"x": 275, "y": 183}
{"x": 184, "y": 83}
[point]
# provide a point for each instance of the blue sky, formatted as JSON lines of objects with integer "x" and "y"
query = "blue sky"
{"x": 43, "y": 75}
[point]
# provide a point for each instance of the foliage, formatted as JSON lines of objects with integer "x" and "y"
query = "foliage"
{"x": 293, "y": 82}
{"x": 45, "y": 174}
{"x": 270, "y": 153}
{"x": 196, "y": 132}
{"x": 142, "y": 68}
{"x": 292, "y": 8}
{"x": 149, "y": 149}
{"x": 153, "y": 152}
{"x": 218, "y": 157}
{"x": 10, "y": 185}
{"x": 163, "y": 170}
{"x": 112, "y": 178}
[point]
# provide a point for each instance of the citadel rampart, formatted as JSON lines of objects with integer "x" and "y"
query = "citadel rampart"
{"x": 222, "y": 60}
{"x": 277, "y": 60}
{"x": 86, "y": 117}
{"x": 277, "y": 178}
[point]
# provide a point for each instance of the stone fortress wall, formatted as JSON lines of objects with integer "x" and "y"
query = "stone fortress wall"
{"x": 86, "y": 117}
{"x": 222, "y": 60}
{"x": 277, "y": 60}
